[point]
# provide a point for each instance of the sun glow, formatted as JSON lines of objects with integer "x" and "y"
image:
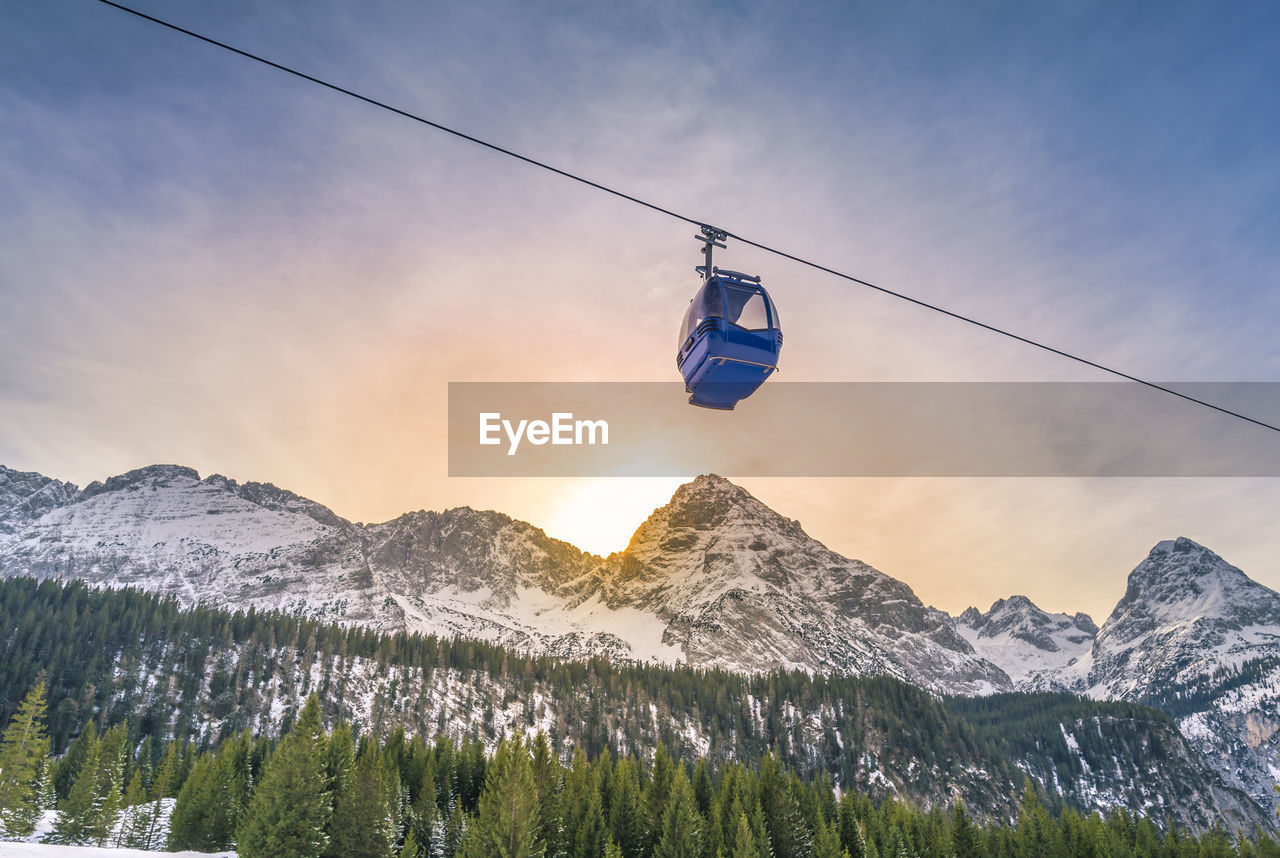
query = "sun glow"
{"x": 600, "y": 515}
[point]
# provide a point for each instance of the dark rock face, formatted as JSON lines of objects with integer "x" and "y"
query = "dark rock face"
{"x": 25, "y": 496}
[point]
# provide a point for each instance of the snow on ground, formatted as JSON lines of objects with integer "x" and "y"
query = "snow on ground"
{"x": 44, "y": 826}
{"x": 537, "y": 615}
{"x": 45, "y": 850}
{"x": 35, "y": 849}
{"x": 1020, "y": 658}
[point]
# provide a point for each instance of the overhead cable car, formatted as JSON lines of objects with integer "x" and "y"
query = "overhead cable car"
{"x": 730, "y": 339}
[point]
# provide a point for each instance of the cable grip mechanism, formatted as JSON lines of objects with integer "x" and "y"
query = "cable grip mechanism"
{"x": 710, "y": 238}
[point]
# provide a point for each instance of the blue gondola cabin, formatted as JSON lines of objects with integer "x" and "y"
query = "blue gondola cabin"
{"x": 729, "y": 342}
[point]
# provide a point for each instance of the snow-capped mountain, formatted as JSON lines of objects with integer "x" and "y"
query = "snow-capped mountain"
{"x": 735, "y": 582}
{"x": 1022, "y": 639}
{"x": 715, "y": 578}
{"x": 1185, "y": 615}
{"x": 1193, "y": 635}
{"x": 1197, "y": 637}
{"x": 164, "y": 529}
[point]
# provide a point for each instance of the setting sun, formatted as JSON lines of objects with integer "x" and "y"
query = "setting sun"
{"x": 600, "y": 515}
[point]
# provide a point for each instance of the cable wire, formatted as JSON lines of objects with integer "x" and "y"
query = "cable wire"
{"x": 694, "y": 221}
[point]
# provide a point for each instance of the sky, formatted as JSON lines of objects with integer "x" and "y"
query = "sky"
{"x": 207, "y": 262}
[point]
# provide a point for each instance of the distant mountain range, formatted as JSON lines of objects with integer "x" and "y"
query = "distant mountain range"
{"x": 714, "y": 578}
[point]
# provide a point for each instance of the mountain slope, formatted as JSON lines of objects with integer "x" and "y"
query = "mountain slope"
{"x": 1080, "y": 752}
{"x": 1196, "y": 637}
{"x": 1022, "y": 639}
{"x": 164, "y": 529}
{"x": 1186, "y": 613}
{"x": 714, "y": 578}
{"x": 736, "y": 583}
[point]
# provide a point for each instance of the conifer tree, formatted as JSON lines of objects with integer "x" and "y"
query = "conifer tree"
{"x": 1038, "y": 834}
{"x": 79, "y": 813}
{"x": 110, "y": 783}
{"x": 133, "y": 827}
{"x": 898, "y": 847}
{"x": 626, "y": 814}
{"x": 744, "y": 844}
{"x": 364, "y": 817}
{"x": 290, "y": 808}
{"x": 593, "y": 834}
{"x": 340, "y": 760}
{"x": 24, "y": 760}
{"x": 142, "y": 761}
{"x": 187, "y": 828}
{"x": 507, "y": 815}
{"x": 578, "y": 784}
{"x": 457, "y": 826}
{"x": 966, "y": 840}
{"x": 547, "y": 777}
{"x": 67, "y": 769}
{"x": 760, "y": 832}
{"x": 44, "y": 784}
{"x": 424, "y": 813}
{"x": 852, "y": 836}
{"x": 657, "y": 792}
{"x": 186, "y": 759}
{"x": 409, "y": 849}
{"x": 161, "y": 787}
{"x": 212, "y": 800}
{"x": 726, "y": 807}
{"x": 788, "y": 834}
{"x": 681, "y": 825}
{"x": 439, "y": 836}
{"x": 702, "y": 787}
{"x": 826, "y": 841}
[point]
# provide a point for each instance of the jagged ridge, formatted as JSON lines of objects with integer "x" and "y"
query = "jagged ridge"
{"x": 714, "y": 578}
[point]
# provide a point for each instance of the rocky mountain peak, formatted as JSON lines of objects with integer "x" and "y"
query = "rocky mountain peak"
{"x": 707, "y": 500}
{"x": 1023, "y": 618}
{"x": 1085, "y": 623}
{"x": 25, "y": 496}
{"x": 1185, "y": 615}
{"x": 156, "y": 475}
{"x": 1013, "y": 604}
{"x": 1023, "y": 639}
{"x": 737, "y": 583}
{"x": 709, "y": 503}
{"x": 1181, "y": 579}
{"x": 276, "y": 499}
